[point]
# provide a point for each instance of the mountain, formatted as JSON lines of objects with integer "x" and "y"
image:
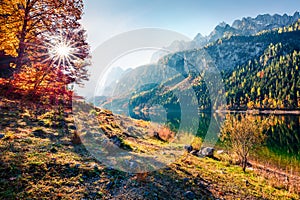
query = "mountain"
{"x": 110, "y": 81}
{"x": 245, "y": 27}
{"x": 250, "y": 26}
{"x": 259, "y": 71}
{"x": 222, "y": 30}
{"x": 269, "y": 82}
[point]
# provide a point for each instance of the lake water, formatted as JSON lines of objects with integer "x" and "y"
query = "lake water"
{"x": 282, "y": 146}
{"x": 283, "y": 137}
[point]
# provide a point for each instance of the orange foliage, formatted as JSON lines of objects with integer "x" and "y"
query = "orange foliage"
{"x": 165, "y": 134}
{"x": 40, "y": 84}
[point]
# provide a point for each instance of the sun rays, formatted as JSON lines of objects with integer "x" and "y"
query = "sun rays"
{"x": 59, "y": 50}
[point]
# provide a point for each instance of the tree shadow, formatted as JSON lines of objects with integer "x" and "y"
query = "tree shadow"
{"x": 28, "y": 170}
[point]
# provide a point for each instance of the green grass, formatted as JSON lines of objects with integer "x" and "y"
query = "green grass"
{"x": 231, "y": 180}
{"x": 29, "y": 170}
{"x": 286, "y": 162}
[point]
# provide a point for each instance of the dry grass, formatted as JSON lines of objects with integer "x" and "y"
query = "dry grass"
{"x": 50, "y": 166}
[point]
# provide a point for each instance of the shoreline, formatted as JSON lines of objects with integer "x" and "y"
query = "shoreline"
{"x": 275, "y": 112}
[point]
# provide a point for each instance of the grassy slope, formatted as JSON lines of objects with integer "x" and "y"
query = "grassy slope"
{"x": 38, "y": 160}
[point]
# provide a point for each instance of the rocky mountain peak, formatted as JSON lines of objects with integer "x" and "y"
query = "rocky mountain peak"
{"x": 243, "y": 27}
{"x": 250, "y": 26}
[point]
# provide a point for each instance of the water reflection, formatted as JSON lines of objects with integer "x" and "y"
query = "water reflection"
{"x": 283, "y": 135}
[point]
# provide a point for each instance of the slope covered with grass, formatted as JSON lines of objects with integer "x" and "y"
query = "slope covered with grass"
{"x": 41, "y": 158}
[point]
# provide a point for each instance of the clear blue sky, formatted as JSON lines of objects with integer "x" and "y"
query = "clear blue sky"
{"x": 105, "y": 18}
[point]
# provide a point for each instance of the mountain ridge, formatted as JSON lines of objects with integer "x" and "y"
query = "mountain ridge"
{"x": 228, "y": 54}
{"x": 246, "y": 26}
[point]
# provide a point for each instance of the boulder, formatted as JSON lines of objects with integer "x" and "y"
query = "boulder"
{"x": 41, "y": 123}
{"x": 155, "y": 135}
{"x": 194, "y": 152}
{"x": 188, "y": 148}
{"x": 206, "y": 152}
{"x": 130, "y": 129}
{"x": 77, "y": 166}
{"x": 220, "y": 151}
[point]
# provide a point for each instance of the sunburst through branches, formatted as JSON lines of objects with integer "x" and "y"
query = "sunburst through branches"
{"x": 62, "y": 51}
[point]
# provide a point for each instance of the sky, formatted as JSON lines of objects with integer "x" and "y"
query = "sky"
{"x": 106, "y": 18}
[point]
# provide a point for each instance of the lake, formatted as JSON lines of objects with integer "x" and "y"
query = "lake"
{"x": 282, "y": 146}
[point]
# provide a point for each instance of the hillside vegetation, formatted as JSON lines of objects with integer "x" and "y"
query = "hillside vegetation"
{"x": 259, "y": 72}
{"x": 41, "y": 157}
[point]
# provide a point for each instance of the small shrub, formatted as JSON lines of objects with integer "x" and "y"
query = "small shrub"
{"x": 243, "y": 133}
{"x": 166, "y": 134}
{"x": 196, "y": 143}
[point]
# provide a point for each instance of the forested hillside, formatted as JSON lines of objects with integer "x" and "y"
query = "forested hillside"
{"x": 270, "y": 82}
{"x": 259, "y": 72}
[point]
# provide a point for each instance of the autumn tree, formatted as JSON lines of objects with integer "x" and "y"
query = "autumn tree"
{"x": 243, "y": 133}
{"x": 47, "y": 40}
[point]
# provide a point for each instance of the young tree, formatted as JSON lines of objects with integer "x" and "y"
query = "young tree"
{"x": 243, "y": 133}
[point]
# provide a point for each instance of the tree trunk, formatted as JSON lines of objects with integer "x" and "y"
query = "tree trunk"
{"x": 244, "y": 163}
{"x": 21, "y": 50}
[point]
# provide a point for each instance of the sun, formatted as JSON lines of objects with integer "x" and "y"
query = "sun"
{"x": 62, "y": 50}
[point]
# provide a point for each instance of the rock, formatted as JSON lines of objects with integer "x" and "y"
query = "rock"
{"x": 130, "y": 129}
{"x": 116, "y": 140}
{"x": 41, "y": 123}
{"x": 22, "y": 123}
{"x": 206, "y": 151}
{"x": 2, "y": 136}
{"x": 77, "y": 166}
{"x": 194, "y": 152}
{"x": 96, "y": 168}
{"x": 72, "y": 127}
{"x": 220, "y": 151}
{"x": 189, "y": 195}
{"x": 62, "y": 123}
{"x": 109, "y": 185}
{"x": 156, "y": 136}
{"x": 67, "y": 165}
{"x": 185, "y": 180}
{"x": 188, "y": 148}
{"x": 53, "y": 150}
{"x": 39, "y": 133}
{"x": 246, "y": 182}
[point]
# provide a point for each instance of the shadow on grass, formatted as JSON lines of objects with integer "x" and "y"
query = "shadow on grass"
{"x": 41, "y": 164}
{"x": 20, "y": 179}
